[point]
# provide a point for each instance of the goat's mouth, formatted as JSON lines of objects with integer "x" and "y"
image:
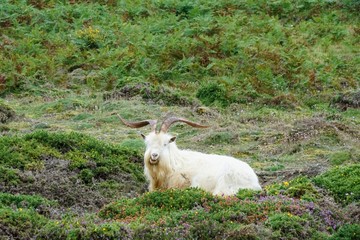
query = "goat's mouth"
{"x": 153, "y": 161}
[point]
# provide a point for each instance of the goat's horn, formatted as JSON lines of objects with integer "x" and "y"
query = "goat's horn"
{"x": 139, "y": 124}
{"x": 168, "y": 122}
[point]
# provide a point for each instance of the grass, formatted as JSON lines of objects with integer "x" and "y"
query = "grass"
{"x": 277, "y": 81}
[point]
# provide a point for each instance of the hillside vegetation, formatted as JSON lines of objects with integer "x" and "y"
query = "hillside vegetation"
{"x": 277, "y": 81}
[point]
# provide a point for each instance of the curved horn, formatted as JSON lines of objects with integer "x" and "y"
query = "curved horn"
{"x": 169, "y": 121}
{"x": 139, "y": 124}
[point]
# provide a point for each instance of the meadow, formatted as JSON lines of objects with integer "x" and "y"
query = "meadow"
{"x": 278, "y": 82}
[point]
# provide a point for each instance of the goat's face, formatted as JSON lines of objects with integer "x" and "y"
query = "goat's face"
{"x": 157, "y": 142}
{"x": 157, "y": 145}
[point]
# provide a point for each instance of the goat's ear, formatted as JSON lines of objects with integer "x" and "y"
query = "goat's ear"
{"x": 143, "y": 136}
{"x": 172, "y": 139}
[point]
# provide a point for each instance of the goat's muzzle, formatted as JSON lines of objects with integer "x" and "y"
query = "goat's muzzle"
{"x": 154, "y": 158}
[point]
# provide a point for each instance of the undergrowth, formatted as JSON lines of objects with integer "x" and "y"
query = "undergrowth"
{"x": 243, "y": 50}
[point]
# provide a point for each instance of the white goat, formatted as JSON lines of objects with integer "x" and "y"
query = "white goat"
{"x": 166, "y": 166}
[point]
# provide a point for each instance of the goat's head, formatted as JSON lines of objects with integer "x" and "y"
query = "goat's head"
{"x": 157, "y": 142}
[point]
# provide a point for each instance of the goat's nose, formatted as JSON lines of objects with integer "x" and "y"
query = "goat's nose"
{"x": 154, "y": 156}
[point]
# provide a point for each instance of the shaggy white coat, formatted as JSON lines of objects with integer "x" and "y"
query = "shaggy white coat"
{"x": 175, "y": 168}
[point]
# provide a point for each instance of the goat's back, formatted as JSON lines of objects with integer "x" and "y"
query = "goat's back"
{"x": 219, "y": 174}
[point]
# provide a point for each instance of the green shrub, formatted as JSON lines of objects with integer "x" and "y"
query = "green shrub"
{"x": 181, "y": 209}
{"x": 342, "y": 182}
{"x": 348, "y": 232}
{"x": 244, "y": 194}
{"x": 21, "y": 223}
{"x": 23, "y": 201}
{"x": 352, "y": 5}
{"x": 9, "y": 176}
{"x": 82, "y": 150}
{"x": 89, "y": 38}
{"x": 299, "y": 187}
{"x": 213, "y": 93}
{"x": 17, "y": 152}
{"x": 86, "y": 175}
{"x": 288, "y": 226}
{"x": 273, "y": 56}
{"x": 86, "y": 227}
{"x": 175, "y": 199}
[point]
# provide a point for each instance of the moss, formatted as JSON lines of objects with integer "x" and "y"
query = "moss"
{"x": 81, "y": 150}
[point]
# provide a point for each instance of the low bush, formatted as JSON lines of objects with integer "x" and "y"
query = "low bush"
{"x": 348, "y": 232}
{"x": 288, "y": 226}
{"x": 195, "y": 213}
{"x": 24, "y": 201}
{"x": 20, "y": 223}
{"x": 213, "y": 93}
{"x": 342, "y": 182}
{"x": 299, "y": 187}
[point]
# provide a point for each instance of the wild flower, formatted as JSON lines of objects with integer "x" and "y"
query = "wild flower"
{"x": 89, "y": 38}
